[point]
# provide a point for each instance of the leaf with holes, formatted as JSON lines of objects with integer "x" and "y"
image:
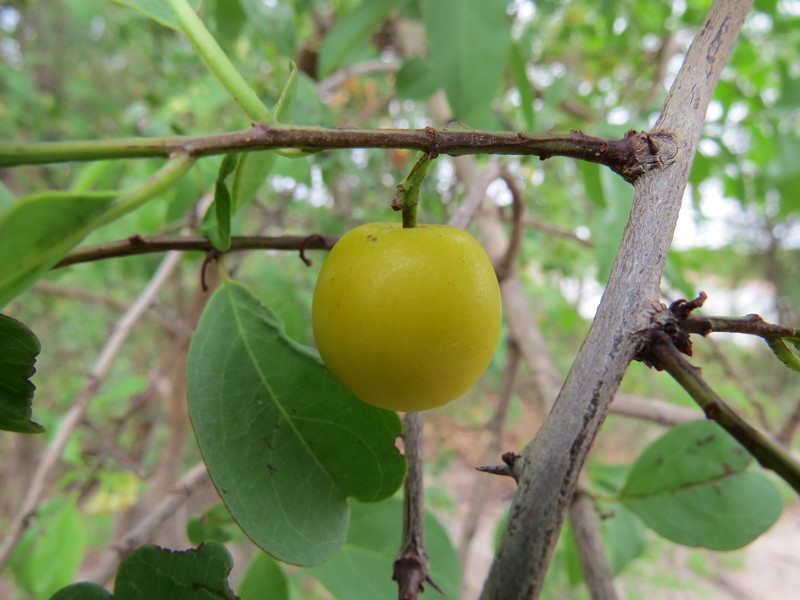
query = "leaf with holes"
{"x": 284, "y": 442}
{"x": 691, "y": 486}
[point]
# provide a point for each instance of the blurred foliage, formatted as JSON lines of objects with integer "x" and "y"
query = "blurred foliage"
{"x": 93, "y": 69}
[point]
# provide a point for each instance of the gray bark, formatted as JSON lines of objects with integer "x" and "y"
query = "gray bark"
{"x": 550, "y": 463}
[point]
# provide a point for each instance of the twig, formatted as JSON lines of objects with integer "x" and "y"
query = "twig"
{"x": 138, "y": 244}
{"x": 506, "y": 263}
{"x": 137, "y": 534}
{"x": 75, "y": 414}
{"x": 598, "y": 574}
{"x": 631, "y": 155}
{"x": 495, "y": 429}
{"x": 411, "y": 565}
{"x": 653, "y": 409}
{"x": 661, "y": 352}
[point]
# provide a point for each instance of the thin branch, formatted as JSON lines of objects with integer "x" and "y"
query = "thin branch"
{"x": 597, "y": 571}
{"x": 653, "y": 409}
{"x": 505, "y": 265}
{"x": 75, "y": 414}
{"x": 495, "y": 429}
{"x": 631, "y": 156}
{"x": 138, "y": 244}
{"x": 661, "y": 353}
{"x": 411, "y": 565}
{"x": 137, "y": 534}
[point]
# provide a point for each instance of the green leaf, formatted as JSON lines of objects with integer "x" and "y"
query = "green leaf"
{"x": 691, "y": 487}
{"x": 352, "y": 30}
{"x": 83, "y": 591}
{"x": 216, "y": 524}
{"x": 784, "y": 353}
{"x": 416, "y": 79}
{"x": 276, "y": 21}
{"x": 469, "y": 42}
{"x": 609, "y": 223}
{"x": 49, "y": 556}
{"x": 7, "y": 198}
{"x": 263, "y": 580}
{"x": 217, "y": 222}
{"x": 158, "y": 574}
{"x": 158, "y": 10}
{"x": 363, "y": 569}
{"x": 284, "y": 442}
{"x": 524, "y": 87}
{"x": 254, "y": 167}
{"x": 19, "y": 348}
{"x": 37, "y": 231}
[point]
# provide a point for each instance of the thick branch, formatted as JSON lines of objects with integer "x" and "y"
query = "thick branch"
{"x": 550, "y": 464}
{"x": 631, "y": 155}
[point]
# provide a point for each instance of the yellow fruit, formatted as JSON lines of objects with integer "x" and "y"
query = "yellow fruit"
{"x": 407, "y": 319}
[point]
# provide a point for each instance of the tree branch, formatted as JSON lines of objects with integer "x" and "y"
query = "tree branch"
{"x": 661, "y": 353}
{"x": 138, "y": 244}
{"x": 550, "y": 464}
{"x": 632, "y": 155}
{"x": 411, "y": 565}
{"x": 75, "y": 413}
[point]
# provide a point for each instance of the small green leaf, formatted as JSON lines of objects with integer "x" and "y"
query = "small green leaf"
{"x": 351, "y": 31}
{"x": 158, "y": 10}
{"x": 50, "y": 554}
{"x": 254, "y": 167}
{"x": 691, "y": 487}
{"x": 83, "y": 591}
{"x": 469, "y": 42}
{"x": 609, "y": 223}
{"x": 216, "y": 524}
{"x": 784, "y": 353}
{"x": 263, "y": 580}
{"x": 158, "y": 574}
{"x": 19, "y": 348}
{"x": 276, "y": 21}
{"x": 524, "y": 87}
{"x": 217, "y": 223}
{"x": 363, "y": 569}
{"x": 416, "y": 79}
{"x": 284, "y": 442}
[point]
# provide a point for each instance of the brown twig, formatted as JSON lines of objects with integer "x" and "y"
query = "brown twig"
{"x": 411, "y": 565}
{"x": 630, "y": 156}
{"x": 598, "y": 574}
{"x": 137, "y": 244}
{"x": 505, "y": 265}
{"x": 494, "y": 429}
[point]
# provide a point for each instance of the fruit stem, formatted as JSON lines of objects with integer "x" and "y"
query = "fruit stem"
{"x": 407, "y": 197}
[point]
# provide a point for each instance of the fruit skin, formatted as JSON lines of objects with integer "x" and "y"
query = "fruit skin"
{"x": 407, "y": 319}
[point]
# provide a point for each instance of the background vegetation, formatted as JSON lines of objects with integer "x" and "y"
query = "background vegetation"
{"x": 90, "y": 69}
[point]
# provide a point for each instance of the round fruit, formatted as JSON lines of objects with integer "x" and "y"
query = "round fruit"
{"x": 407, "y": 319}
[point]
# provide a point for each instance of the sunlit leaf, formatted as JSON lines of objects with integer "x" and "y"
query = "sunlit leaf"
{"x": 469, "y": 42}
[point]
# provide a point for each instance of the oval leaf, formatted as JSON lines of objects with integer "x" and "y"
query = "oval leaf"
{"x": 351, "y": 31}
{"x": 19, "y": 348}
{"x": 691, "y": 487}
{"x": 284, "y": 442}
{"x": 469, "y": 42}
{"x": 264, "y": 579}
